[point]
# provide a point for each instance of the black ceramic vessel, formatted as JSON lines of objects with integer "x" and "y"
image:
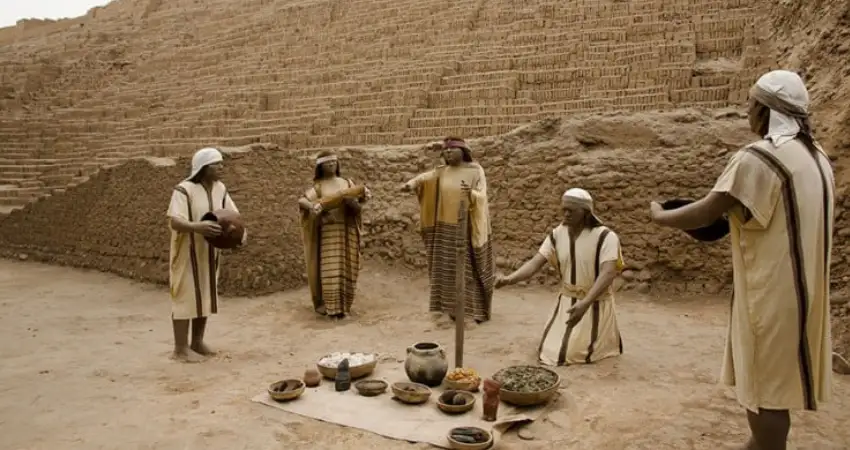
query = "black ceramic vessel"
{"x": 714, "y": 232}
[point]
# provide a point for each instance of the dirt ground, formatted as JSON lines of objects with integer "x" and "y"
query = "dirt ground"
{"x": 85, "y": 366}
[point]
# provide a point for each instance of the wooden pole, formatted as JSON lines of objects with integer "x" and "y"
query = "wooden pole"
{"x": 460, "y": 279}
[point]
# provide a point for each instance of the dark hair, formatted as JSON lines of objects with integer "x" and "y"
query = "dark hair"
{"x": 762, "y": 117}
{"x": 590, "y": 221}
{"x": 806, "y": 135}
{"x": 467, "y": 156}
{"x": 319, "y": 172}
{"x": 200, "y": 175}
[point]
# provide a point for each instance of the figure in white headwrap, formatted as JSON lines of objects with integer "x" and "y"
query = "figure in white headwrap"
{"x": 194, "y": 263}
{"x": 583, "y": 326}
{"x": 779, "y": 194}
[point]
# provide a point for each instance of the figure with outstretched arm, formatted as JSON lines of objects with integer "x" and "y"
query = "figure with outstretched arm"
{"x": 440, "y": 192}
{"x": 779, "y": 196}
{"x": 582, "y": 328}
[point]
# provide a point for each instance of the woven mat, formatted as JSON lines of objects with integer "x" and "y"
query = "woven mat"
{"x": 387, "y": 417}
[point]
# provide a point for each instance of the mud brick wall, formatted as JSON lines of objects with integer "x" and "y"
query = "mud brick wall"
{"x": 116, "y": 221}
{"x": 132, "y": 79}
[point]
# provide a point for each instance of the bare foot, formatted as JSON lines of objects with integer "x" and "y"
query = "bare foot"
{"x": 443, "y": 322}
{"x": 186, "y": 356}
{"x": 468, "y": 324}
{"x": 202, "y": 349}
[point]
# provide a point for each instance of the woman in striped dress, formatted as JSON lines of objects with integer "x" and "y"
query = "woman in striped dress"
{"x": 331, "y": 232}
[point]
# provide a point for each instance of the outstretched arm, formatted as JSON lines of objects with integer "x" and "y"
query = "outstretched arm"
{"x": 414, "y": 182}
{"x": 698, "y": 214}
{"x": 525, "y": 272}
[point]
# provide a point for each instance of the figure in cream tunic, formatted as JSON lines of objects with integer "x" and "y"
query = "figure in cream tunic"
{"x": 578, "y": 262}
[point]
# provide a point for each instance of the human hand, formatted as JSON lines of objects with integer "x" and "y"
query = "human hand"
{"x": 208, "y": 228}
{"x": 406, "y": 187}
{"x": 367, "y": 194}
{"x": 576, "y": 312}
{"x": 434, "y": 145}
{"x": 501, "y": 281}
{"x": 317, "y": 209}
{"x": 655, "y": 211}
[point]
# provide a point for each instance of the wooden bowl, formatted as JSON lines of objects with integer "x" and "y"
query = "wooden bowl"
{"x": 289, "y": 394}
{"x": 355, "y": 371}
{"x": 714, "y": 232}
{"x": 451, "y": 408}
{"x": 232, "y": 228}
{"x": 470, "y": 446}
{"x": 411, "y": 393}
{"x": 530, "y": 398}
{"x": 370, "y": 388}
{"x": 470, "y": 385}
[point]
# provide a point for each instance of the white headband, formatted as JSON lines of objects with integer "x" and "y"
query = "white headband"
{"x": 325, "y": 159}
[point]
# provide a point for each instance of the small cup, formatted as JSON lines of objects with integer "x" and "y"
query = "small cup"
{"x": 312, "y": 378}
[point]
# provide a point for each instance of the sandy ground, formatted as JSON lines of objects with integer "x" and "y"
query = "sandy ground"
{"x": 85, "y": 366}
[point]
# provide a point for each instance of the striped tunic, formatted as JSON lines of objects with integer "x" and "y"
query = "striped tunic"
{"x": 439, "y": 193}
{"x": 778, "y": 351}
{"x": 194, "y": 264}
{"x": 332, "y": 250}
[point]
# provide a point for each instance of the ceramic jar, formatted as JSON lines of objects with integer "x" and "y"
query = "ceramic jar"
{"x": 312, "y": 378}
{"x": 491, "y": 399}
{"x": 426, "y": 363}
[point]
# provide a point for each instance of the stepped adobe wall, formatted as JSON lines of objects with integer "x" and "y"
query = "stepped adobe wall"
{"x": 156, "y": 78}
{"x": 116, "y": 222}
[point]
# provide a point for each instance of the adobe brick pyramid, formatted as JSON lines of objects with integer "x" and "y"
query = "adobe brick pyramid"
{"x": 163, "y": 78}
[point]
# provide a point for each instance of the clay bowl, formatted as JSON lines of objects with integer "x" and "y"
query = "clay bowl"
{"x": 370, "y": 388}
{"x": 469, "y": 385}
{"x": 716, "y": 231}
{"x": 356, "y": 371}
{"x": 443, "y": 402}
{"x": 469, "y": 446}
{"x": 411, "y": 393}
{"x": 232, "y": 228}
{"x": 289, "y": 394}
{"x": 529, "y": 398}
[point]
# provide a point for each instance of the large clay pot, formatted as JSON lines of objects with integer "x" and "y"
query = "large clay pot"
{"x": 426, "y": 363}
{"x": 232, "y": 228}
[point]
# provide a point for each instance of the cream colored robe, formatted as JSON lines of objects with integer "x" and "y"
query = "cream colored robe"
{"x": 778, "y": 352}
{"x": 193, "y": 275}
{"x": 597, "y": 335}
